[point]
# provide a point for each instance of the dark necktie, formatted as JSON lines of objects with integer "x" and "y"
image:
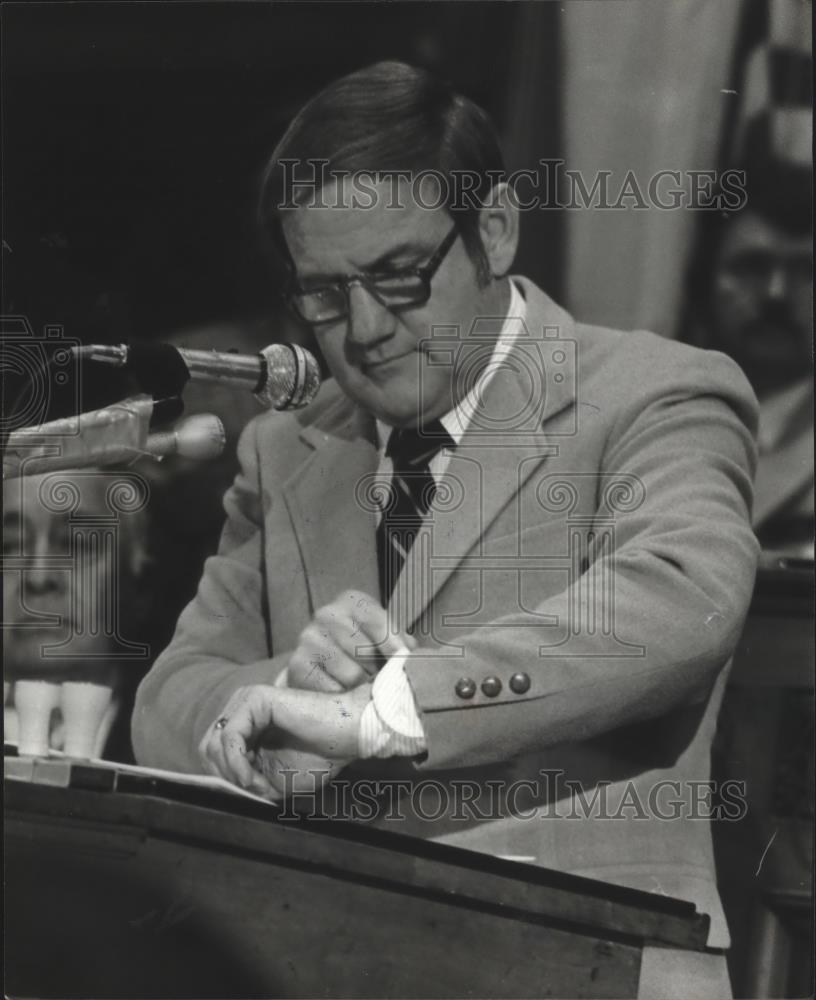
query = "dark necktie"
{"x": 411, "y": 492}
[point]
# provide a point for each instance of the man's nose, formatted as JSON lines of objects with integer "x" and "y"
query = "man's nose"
{"x": 42, "y": 574}
{"x": 42, "y": 577}
{"x": 778, "y": 283}
{"x": 369, "y": 321}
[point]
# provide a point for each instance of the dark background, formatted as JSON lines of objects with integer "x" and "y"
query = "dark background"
{"x": 134, "y": 136}
{"x": 134, "y": 139}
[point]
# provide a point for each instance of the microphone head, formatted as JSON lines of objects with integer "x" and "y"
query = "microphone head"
{"x": 292, "y": 377}
{"x": 200, "y": 437}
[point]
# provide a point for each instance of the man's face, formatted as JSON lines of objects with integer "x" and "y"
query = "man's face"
{"x": 763, "y": 300}
{"x": 381, "y": 358}
{"x": 43, "y": 601}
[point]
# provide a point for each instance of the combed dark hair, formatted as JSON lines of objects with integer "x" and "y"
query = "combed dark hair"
{"x": 386, "y": 118}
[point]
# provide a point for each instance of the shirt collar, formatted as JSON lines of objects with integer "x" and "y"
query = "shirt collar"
{"x": 457, "y": 420}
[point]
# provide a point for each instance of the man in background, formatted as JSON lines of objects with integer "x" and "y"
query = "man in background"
{"x": 753, "y": 286}
{"x": 76, "y": 597}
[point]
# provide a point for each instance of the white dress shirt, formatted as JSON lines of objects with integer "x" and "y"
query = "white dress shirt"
{"x": 390, "y": 725}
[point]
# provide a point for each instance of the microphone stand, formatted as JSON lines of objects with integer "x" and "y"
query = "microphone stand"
{"x": 113, "y": 435}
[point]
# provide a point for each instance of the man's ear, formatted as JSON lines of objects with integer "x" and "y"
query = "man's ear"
{"x": 499, "y": 230}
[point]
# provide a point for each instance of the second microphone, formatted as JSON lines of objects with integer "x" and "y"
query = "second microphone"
{"x": 281, "y": 376}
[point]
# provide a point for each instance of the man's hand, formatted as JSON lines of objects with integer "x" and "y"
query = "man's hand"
{"x": 243, "y": 744}
{"x": 344, "y": 644}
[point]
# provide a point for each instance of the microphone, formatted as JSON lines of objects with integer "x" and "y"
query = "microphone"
{"x": 281, "y": 376}
{"x": 110, "y": 436}
{"x": 200, "y": 437}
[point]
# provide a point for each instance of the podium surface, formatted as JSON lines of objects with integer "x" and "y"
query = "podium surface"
{"x": 120, "y": 885}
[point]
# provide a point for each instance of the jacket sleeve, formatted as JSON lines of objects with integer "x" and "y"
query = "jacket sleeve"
{"x": 221, "y": 640}
{"x": 682, "y": 573}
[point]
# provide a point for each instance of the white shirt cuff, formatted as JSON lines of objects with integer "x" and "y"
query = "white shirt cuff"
{"x": 390, "y": 725}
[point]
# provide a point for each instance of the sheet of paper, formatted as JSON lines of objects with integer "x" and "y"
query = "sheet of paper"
{"x": 42, "y": 770}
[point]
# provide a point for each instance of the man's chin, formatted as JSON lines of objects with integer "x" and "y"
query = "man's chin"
{"x": 391, "y": 407}
{"x": 401, "y": 419}
{"x": 44, "y": 651}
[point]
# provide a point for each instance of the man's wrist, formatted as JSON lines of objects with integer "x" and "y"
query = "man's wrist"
{"x": 325, "y": 723}
{"x": 390, "y": 725}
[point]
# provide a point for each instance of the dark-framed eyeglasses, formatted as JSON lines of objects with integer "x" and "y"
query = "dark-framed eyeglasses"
{"x": 327, "y": 302}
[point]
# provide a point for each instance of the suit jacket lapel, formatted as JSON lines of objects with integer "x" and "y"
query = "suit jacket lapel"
{"x": 329, "y": 502}
{"x": 502, "y": 447}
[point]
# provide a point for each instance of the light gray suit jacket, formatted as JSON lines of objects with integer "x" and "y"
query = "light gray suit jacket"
{"x": 592, "y": 533}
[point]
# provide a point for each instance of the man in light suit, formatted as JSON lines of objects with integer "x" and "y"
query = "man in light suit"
{"x": 502, "y": 549}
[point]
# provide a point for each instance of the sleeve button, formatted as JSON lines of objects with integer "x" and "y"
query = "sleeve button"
{"x": 520, "y": 683}
{"x": 491, "y": 686}
{"x": 465, "y": 687}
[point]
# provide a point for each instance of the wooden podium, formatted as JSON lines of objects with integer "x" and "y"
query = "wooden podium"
{"x": 765, "y": 740}
{"x": 118, "y": 885}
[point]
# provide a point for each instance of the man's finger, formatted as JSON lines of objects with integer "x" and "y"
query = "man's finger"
{"x": 350, "y": 672}
{"x": 253, "y": 716}
{"x": 326, "y": 669}
{"x": 307, "y": 674}
{"x": 210, "y": 748}
{"x": 336, "y": 645}
{"x": 208, "y": 765}
{"x": 371, "y": 619}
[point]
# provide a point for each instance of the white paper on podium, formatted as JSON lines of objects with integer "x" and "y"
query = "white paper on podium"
{"x": 53, "y": 770}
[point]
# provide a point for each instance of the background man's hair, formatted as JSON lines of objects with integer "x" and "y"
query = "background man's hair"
{"x": 385, "y": 118}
